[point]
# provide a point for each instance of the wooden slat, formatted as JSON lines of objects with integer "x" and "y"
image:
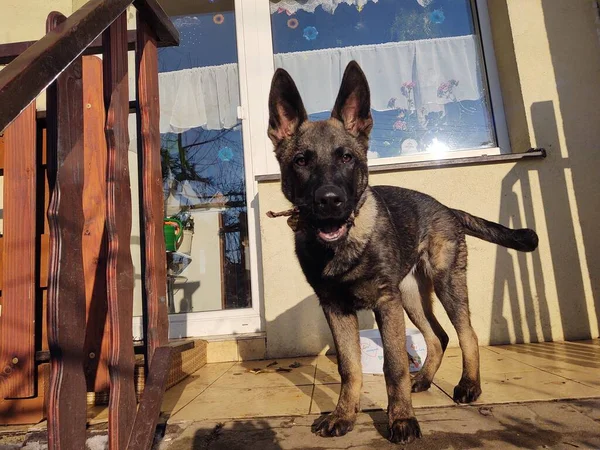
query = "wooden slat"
{"x": 44, "y": 259}
{"x": 1, "y": 151}
{"x": 10, "y": 51}
{"x": 152, "y": 14}
{"x": 94, "y": 240}
{"x": 25, "y": 411}
{"x": 151, "y": 401}
{"x": 17, "y": 320}
{"x": 1, "y": 264}
{"x": 154, "y": 272}
{"x": 122, "y": 400}
{"x": 38, "y": 66}
{"x": 66, "y": 292}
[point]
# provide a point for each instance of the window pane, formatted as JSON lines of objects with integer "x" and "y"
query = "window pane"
{"x": 203, "y": 158}
{"x": 422, "y": 59}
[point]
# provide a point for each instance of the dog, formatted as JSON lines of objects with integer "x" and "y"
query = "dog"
{"x": 382, "y": 248}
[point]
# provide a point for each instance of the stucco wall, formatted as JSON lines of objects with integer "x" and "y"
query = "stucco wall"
{"x": 549, "y": 62}
{"x": 19, "y": 23}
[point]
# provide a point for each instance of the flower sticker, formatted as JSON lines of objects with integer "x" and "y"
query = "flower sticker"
{"x": 310, "y": 33}
{"x": 218, "y": 19}
{"x": 407, "y": 87}
{"x": 402, "y": 113}
{"x": 407, "y": 90}
{"x": 392, "y": 103}
{"x": 437, "y": 16}
{"x": 292, "y": 23}
{"x": 445, "y": 89}
{"x": 400, "y": 125}
{"x": 226, "y": 154}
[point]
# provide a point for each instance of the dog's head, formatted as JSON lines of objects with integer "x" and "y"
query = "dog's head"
{"x": 323, "y": 164}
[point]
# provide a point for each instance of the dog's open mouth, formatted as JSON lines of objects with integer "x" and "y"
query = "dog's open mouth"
{"x": 333, "y": 232}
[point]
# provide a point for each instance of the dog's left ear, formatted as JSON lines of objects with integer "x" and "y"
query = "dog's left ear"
{"x": 353, "y": 103}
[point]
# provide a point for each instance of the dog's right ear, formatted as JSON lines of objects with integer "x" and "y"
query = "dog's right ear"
{"x": 286, "y": 110}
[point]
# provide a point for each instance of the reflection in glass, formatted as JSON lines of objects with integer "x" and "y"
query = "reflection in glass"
{"x": 203, "y": 162}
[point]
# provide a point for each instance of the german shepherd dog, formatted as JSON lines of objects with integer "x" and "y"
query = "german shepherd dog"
{"x": 378, "y": 247}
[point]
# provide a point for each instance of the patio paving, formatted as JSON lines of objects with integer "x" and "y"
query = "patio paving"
{"x": 543, "y": 395}
{"x": 250, "y": 405}
{"x": 512, "y": 373}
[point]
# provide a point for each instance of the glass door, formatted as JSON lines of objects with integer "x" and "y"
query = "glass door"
{"x": 207, "y": 174}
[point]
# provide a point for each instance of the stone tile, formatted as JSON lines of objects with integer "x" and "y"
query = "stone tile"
{"x": 588, "y": 407}
{"x": 222, "y": 403}
{"x": 507, "y": 387}
{"x": 581, "y": 355}
{"x": 222, "y": 351}
{"x": 374, "y": 397}
{"x": 97, "y": 415}
{"x": 183, "y": 393}
{"x": 240, "y": 375}
{"x": 251, "y": 349}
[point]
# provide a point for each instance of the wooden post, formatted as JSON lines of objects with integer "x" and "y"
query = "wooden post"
{"x": 17, "y": 316}
{"x": 96, "y": 348}
{"x": 154, "y": 273}
{"x": 66, "y": 291}
{"x": 122, "y": 400}
{"x": 151, "y": 401}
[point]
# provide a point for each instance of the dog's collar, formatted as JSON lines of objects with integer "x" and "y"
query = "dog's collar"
{"x": 293, "y": 214}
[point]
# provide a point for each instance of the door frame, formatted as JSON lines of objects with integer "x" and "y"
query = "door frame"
{"x": 242, "y": 320}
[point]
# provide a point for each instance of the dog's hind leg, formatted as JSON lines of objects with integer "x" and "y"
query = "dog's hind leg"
{"x": 450, "y": 284}
{"x": 416, "y": 291}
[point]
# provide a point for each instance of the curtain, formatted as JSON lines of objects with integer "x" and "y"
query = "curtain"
{"x": 426, "y": 73}
{"x": 292, "y": 6}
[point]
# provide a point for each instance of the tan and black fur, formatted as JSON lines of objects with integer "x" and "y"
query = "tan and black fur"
{"x": 382, "y": 248}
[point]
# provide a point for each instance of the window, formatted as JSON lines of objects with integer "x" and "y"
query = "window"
{"x": 430, "y": 94}
{"x": 203, "y": 162}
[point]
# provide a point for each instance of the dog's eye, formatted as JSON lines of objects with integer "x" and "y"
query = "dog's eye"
{"x": 300, "y": 160}
{"x": 346, "y": 158}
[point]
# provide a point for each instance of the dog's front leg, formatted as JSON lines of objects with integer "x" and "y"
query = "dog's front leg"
{"x": 403, "y": 425}
{"x": 344, "y": 327}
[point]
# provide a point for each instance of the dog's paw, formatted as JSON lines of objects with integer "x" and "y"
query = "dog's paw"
{"x": 466, "y": 391}
{"x": 334, "y": 425}
{"x": 404, "y": 431}
{"x": 420, "y": 384}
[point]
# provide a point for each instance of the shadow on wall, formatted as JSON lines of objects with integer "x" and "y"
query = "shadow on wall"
{"x": 567, "y": 174}
{"x": 577, "y": 74}
{"x": 512, "y": 270}
{"x": 300, "y": 331}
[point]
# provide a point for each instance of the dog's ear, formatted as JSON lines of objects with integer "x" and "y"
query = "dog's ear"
{"x": 353, "y": 103}
{"x": 286, "y": 110}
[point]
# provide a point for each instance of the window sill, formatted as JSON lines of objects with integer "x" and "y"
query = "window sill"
{"x": 533, "y": 153}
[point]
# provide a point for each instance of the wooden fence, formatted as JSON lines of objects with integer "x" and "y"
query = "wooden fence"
{"x": 67, "y": 280}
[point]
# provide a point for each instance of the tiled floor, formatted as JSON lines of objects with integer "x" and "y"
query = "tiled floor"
{"x": 513, "y": 373}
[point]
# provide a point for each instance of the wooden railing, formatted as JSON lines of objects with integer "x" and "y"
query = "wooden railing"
{"x": 90, "y": 274}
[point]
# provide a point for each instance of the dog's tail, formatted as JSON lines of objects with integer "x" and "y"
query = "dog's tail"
{"x": 524, "y": 239}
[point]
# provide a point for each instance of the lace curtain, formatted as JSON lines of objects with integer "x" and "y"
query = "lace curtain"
{"x": 292, "y": 6}
{"x": 414, "y": 74}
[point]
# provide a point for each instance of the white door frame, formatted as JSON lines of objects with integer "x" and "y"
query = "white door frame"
{"x": 242, "y": 320}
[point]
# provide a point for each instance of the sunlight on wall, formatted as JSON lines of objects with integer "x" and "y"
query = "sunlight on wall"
{"x": 550, "y": 98}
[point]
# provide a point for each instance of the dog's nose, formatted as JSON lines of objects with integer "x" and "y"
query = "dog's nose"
{"x": 329, "y": 199}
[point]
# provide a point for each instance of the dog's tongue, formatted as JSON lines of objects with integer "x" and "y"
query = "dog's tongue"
{"x": 332, "y": 232}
